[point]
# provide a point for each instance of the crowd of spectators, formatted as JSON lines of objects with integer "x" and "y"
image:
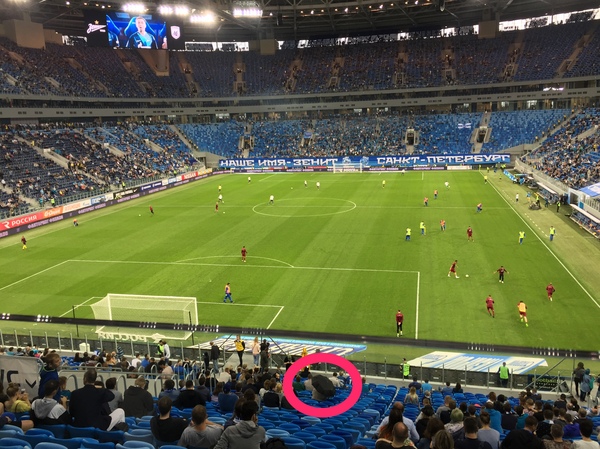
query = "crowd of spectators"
{"x": 241, "y": 406}
{"x": 568, "y": 158}
{"x": 322, "y": 65}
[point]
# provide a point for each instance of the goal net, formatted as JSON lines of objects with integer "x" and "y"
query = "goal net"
{"x": 347, "y": 167}
{"x": 146, "y": 309}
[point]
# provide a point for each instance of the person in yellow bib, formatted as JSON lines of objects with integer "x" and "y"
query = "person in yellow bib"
{"x": 521, "y": 237}
{"x": 240, "y": 346}
{"x": 552, "y": 233}
{"x": 408, "y": 232}
{"x": 523, "y": 312}
{"x": 383, "y": 184}
{"x": 504, "y": 375}
{"x": 422, "y": 228}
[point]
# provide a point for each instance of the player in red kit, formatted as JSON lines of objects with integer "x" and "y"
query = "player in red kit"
{"x": 216, "y": 207}
{"x": 243, "y": 254}
{"x": 501, "y": 272}
{"x": 151, "y": 210}
{"x": 24, "y": 242}
{"x": 453, "y": 269}
{"x": 399, "y": 321}
{"x": 470, "y": 234}
{"x": 550, "y": 290}
{"x": 489, "y": 303}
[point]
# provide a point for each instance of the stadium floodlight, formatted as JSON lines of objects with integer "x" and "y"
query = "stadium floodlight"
{"x": 246, "y": 9}
{"x": 247, "y": 12}
{"x": 165, "y": 10}
{"x": 136, "y": 8}
{"x": 204, "y": 17}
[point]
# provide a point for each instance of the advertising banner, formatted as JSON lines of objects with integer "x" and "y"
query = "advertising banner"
{"x": 21, "y": 370}
{"x": 477, "y": 362}
{"x": 368, "y": 162}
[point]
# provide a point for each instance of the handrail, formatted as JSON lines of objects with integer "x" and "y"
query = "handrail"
{"x": 543, "y": 374}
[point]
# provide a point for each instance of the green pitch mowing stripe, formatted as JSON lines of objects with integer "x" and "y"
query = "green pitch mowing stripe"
{"x": 331, "y": 260}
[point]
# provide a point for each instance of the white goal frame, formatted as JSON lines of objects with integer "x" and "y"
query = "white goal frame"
{"x": 350, "y": 167}
{"x": 180, "y": 310}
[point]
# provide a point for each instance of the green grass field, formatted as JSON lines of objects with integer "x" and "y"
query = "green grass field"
{"x": 328, "y": 260}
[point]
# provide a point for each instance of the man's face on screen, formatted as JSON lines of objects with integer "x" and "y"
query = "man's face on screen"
{"x": 140, "y": 24}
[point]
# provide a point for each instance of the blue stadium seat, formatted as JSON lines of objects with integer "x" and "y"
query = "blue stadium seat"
{"x": 14, "y": 428}
{"x": 50, "y": 445}
{"x": 33, "y": 440}
{"x": 39, "y": 432}
{"x": 74, "y": 443}
{"x": 337, "y": 441}
{"x": 307, "y": 437}
{"x": 277, "y": 433}
{"x": 139, "y": 435}
{"x": 370, "y": 444}
{"x": 347, "y": 436}
{"x": 91, "y": 445}
{"x": 8, "y": 434}
{"x": 135, "y": 445}
{"x": 320, "y": 445}
{"x": 289, "y": 427}
{"x": 317, "y": 431}
{"x": 110, "y": 436}
{"x": 81, "y": 432}
{"x": 294, "y": 443}
{"x": 14, "y": 442}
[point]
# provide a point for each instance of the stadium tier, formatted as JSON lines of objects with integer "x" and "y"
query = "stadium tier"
{"x": 323, "y": 65}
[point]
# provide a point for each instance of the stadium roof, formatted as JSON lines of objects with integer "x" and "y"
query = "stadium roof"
{"x": 302, "y": 19}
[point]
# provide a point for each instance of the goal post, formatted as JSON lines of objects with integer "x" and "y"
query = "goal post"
{"x": 347, "y": 167}
{"x": 145, "y": 308}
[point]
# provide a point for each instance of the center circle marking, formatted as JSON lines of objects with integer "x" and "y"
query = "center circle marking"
{"x": 351, "y": 206}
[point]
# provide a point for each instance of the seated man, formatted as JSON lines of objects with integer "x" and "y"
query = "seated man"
{"x": 165, "y": 427}
{"x": 246, "y": 434}
{"x": 89, "y": 405}
{"x": 137, "y": 402}
{"x": 189, "y": 398}
{"x": 46, "y": 411}
{"x": 201, "y": 432}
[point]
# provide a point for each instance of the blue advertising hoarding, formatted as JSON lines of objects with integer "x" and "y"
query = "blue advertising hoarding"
{"x": 367, "y": 162}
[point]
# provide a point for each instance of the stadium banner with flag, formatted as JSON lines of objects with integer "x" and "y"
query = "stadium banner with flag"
{"x": 477, "y": 362}
{"x": 22, "y": 370}
{"x": 288, "y": 346}
{"x": 408, "y": 161}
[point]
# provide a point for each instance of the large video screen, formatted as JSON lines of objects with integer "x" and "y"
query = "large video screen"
{"x": 120, "y": 29}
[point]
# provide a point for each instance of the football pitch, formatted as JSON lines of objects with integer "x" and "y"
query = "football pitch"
{"x": 333, "y": 259}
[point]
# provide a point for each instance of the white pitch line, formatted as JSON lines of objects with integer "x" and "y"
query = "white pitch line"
{"x": 79, "y": 305}
{"x": 267, "y": 177}
{"x": 418, "y": 299}
{"x": 34, "y": 274}
{"x": 229, "y": 257}
{"x": 236, "y": 304}
{"x": 547, "y": 247}
{"x": 366, "y": 270}
{"x": 273, "y": 320}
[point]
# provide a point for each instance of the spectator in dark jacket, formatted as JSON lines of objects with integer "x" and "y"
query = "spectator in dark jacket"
{"x": 89, "y": 405}
{"x": 137, "y": 402}
{"x": 189, "y": 398}
{"x": 166, "y": 428}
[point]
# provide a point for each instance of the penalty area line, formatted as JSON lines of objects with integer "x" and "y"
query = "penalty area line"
{"x": 77, "y": 306}
{"x": 273, "y": 320}
{"x": 34, "y": 274}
